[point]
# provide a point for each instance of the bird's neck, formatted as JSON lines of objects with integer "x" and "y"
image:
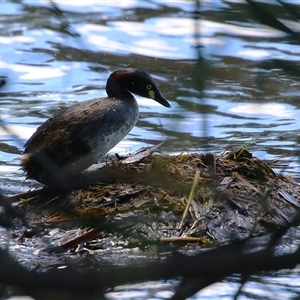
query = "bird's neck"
{"x": 114, "y": 89}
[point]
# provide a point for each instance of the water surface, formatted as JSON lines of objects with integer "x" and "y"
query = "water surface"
{"x": 244, "y": 90}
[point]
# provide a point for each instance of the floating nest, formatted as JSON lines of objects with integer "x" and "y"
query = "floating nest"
{"x": 203, "y": 198}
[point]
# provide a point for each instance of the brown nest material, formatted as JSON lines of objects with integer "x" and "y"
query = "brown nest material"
{"x": 234, "y": 195}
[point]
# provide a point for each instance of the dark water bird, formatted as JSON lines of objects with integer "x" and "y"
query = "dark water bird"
{"x": 78, "y": 136}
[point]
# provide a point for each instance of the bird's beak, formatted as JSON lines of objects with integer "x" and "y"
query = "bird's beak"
{"x": 160, "y": 99}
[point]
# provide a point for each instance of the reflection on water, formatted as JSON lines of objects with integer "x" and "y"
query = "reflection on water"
{"x": 48, "y": 69}
{"x": 243, "y": 92}
{"x": 277, "y": 287}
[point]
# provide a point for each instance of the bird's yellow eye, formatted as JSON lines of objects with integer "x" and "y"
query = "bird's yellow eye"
{"x": 149, "y": 87}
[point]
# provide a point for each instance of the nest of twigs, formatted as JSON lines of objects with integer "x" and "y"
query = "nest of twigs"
{"x": 187, "y": 197}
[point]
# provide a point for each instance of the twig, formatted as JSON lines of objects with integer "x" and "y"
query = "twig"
{"x": 190, "y": 198}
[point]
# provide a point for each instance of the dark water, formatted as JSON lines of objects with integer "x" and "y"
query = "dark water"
{"x": 243, "y": 91}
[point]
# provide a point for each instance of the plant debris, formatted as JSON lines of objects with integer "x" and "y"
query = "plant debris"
{"x": 227, "y": 196}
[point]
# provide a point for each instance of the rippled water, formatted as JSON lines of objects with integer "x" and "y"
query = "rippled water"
{"x": 243, "y": 91}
